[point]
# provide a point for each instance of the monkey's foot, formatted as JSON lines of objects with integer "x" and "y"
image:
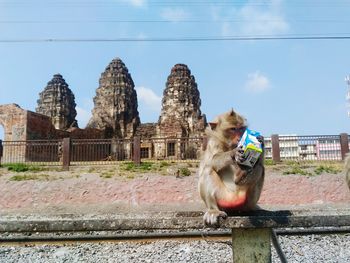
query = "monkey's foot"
{"x": 211, "y": 217}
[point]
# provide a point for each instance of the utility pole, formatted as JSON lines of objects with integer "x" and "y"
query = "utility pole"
{"x": 347, "y": 81}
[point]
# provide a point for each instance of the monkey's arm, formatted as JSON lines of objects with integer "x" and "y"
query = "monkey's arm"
{"x": 222, "y": 160}
{"x": 245, "y": 174}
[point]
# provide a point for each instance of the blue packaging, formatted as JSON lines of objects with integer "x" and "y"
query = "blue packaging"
{"x": 251, "y": 146}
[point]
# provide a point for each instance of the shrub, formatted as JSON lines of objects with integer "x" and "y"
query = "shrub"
{"x": 21, "y": 167}
{"x": 327, "y": 169}
{"x": 268, "y": 162}
{"x": 17, "y": 167}
{"x": 184, "y": 171}
{"x": 297, "y": 170}
{"x": 143, "y": 167}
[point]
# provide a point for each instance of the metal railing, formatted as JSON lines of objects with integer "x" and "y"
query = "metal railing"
{"x": 308, "y": 148}
{"x": 68, "y": 151}
{"x": 100, "y": 150}
{"x": 39, "y": 152}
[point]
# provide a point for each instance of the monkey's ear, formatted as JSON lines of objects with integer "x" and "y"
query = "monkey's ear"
{"x": 213, "y": 125}
{"x": 232, "y": 112}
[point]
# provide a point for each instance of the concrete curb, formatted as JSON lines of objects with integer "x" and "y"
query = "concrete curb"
{"x": 176, "y": 220}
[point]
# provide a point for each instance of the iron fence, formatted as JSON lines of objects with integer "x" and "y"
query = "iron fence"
{"x": 39, "y": 152}
{"x": 179, "y": 149}
{"x": 107, "y": 151}
{"x": 100, "y": 151}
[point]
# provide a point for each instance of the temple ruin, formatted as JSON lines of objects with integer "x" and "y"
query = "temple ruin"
{"x": 57, "y": 102}
{"x": 181, "y": 115}
{"x": 115, "y": 116}
{"x": 115, "y": 103}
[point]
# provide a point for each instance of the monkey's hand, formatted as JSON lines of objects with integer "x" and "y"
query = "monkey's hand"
{"x": 261, "y": 140}
{"x": 212, "y": 216}
{"x": 239, "y": 155}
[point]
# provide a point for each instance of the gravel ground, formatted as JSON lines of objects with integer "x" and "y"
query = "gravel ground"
{"x": 311, "y": 248}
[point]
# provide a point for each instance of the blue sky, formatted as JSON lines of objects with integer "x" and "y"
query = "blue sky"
{"x": 280, "y": 86}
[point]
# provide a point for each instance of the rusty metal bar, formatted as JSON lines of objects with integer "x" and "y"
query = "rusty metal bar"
{"x": 277, "y": 247}
{"x": 137, "y": 151}
{"x": 66, "y": 153}
{"x": 154, "y": 234}
{"x": 344, "y": 145}
{"x": 276, "y": 156}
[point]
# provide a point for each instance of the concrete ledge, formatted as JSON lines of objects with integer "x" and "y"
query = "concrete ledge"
{"x": 176, "y": 220}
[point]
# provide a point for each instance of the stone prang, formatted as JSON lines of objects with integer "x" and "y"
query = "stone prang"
{"x": 181, "y": 114}
{"x": 58, "y": 102}
{"x": 115, "y": 103}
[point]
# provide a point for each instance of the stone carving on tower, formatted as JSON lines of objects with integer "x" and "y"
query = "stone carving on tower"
{"x": 57, "y": 101}
{"x": 115, "y": 103}
{"x": 181, "y": 115}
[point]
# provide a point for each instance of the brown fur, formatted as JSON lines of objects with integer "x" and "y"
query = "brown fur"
{"x": 220, "y": 176}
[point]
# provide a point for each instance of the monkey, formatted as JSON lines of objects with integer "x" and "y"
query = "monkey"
{"x": 347, "y": 169}
{"x": 224, "y": 184}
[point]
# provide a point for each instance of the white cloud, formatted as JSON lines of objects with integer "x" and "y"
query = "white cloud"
{"x": 174, "y": 14}
{"x": 254, "y": 19}
{"x": 83, "y": 117}
{"x": 136, "y": 3}
{"x": 147, "y": 97}
{"x": 257, "y": 82}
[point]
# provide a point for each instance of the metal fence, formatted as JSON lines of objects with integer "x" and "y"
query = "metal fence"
{"x": 37, "y": 152}
{"x": 310, "y": 147}
{"x": 100, "y": 151}
{"x": 106, "y": 151}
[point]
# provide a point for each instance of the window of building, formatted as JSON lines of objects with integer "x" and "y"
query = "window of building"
{"x": 171, "y": 149}
{"x": 144, "y": 152}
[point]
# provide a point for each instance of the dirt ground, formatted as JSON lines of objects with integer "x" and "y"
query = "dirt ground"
{"x": 90, "y": 190}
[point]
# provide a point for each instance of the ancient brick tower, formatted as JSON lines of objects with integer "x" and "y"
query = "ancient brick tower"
{"x": 115, "y": 103}
{"x": 57, "y": 101}
{"x": 181, "y": 115}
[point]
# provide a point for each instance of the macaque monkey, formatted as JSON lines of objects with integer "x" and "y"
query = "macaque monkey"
{"x": 347, "y": 169}
{"x": 225, "y": 185}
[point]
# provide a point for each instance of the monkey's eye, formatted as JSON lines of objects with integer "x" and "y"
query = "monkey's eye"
{"x": 238, "y": 130}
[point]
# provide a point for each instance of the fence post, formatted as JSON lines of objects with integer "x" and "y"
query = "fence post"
{"x": 275, "y": 146}
{"x": 66, "y": 153}
{"x": 344, "y": 145}
{"x": 137, "y": 151}
{"x": 1, "y": 150}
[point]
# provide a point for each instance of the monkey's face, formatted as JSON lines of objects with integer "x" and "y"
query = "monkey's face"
{"x": 229, "y": 127}
{"x": 234, "y": 134}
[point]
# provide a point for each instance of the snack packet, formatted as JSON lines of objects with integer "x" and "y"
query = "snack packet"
{"x": 251, "y": 146}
